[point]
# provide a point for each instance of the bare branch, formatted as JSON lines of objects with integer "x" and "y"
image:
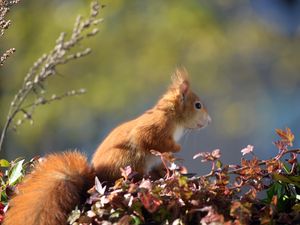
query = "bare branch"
{"x": 4, "y": 24}
{"x": 46, "y": 67}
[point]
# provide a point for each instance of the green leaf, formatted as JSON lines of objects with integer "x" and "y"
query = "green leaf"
{"x": 137, "y": 208}
{"x": 16, "y": 172}
{"x": 136, "y": 220}
{"x": 296, "y": 207}
{"x": 276, "y": 189}
{"x": 75, "y": 215}
{"x": 295, "y": 180}
{"x": 182, "y": 180}
{"x": 4, "y": 163}
{"x": 115, "y": 214}
{"x": 219, "y": 164}
{"x": 279, "y": 190}
{"x": 280, "y": 177}
{"x": 286, "y": 168}
{"x": 4, "y": 197}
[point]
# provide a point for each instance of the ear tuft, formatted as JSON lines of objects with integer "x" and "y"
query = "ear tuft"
{"x": 184, "y": 88}
{"x": 180, "y": 80}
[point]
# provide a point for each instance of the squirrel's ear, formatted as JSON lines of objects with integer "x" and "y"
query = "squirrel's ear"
{"x": 181, "y": 81}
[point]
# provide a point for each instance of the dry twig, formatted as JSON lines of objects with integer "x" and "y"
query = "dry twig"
{"x": 4, "y": 24}
{"x": 46, "y": 67}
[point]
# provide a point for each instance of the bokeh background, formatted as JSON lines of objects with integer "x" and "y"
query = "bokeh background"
{"x": 243, "y": 58}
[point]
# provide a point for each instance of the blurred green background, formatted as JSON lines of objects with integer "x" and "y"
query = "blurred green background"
{"x": 243, "y": 58}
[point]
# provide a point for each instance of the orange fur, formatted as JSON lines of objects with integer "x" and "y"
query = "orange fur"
{"x": 51, "y": 191}
{"x": 131, "y": 142}
{"x": 59, "y": 183}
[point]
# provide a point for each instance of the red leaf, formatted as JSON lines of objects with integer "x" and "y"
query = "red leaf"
{"x": 287, "y": 136}
{"x": 150, "y": 202}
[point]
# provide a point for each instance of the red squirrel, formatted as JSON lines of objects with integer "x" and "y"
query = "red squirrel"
{"x": 60, "y": 182}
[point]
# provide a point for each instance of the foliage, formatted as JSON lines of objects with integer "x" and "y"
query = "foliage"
{"x": 11, "y": 174}
{"x": 227, "y": 195}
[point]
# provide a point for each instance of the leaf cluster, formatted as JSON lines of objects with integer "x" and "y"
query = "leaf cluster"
{"x": 11, "y": 174}
{"x": 227, "y": 195}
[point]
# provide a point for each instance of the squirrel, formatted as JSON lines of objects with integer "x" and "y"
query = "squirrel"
{"x": 56, "y": 185}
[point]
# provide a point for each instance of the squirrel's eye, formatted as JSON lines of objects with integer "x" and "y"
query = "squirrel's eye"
{"x": 198, "y": 105}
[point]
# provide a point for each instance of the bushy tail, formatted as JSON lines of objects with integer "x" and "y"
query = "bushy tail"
{"x": 51, "y": 191}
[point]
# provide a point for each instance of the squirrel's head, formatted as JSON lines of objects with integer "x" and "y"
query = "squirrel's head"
{"x": 190, "y": 111}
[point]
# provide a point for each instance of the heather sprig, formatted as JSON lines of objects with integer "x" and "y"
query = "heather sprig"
{"x": 34, "y": 84}
{"x": 4, "y": 25}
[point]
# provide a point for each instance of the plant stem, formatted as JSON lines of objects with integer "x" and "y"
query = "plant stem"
{"x": 3, "y": 133}
{"x": 45, "y": 67}
{"x": 263, "y": 162}
{"x": 297, "y": 151}
{"x": 14, "y": 109}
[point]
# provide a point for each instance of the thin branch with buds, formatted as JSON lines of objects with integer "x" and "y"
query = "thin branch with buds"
{"x": 4, "y": 25}
{"x": 46, "y": 67}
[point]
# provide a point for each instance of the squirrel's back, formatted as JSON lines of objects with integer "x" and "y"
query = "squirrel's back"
{"x": 51, "y": 190}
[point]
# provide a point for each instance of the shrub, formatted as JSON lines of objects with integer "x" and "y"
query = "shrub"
{"x": 227, "y": 195}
